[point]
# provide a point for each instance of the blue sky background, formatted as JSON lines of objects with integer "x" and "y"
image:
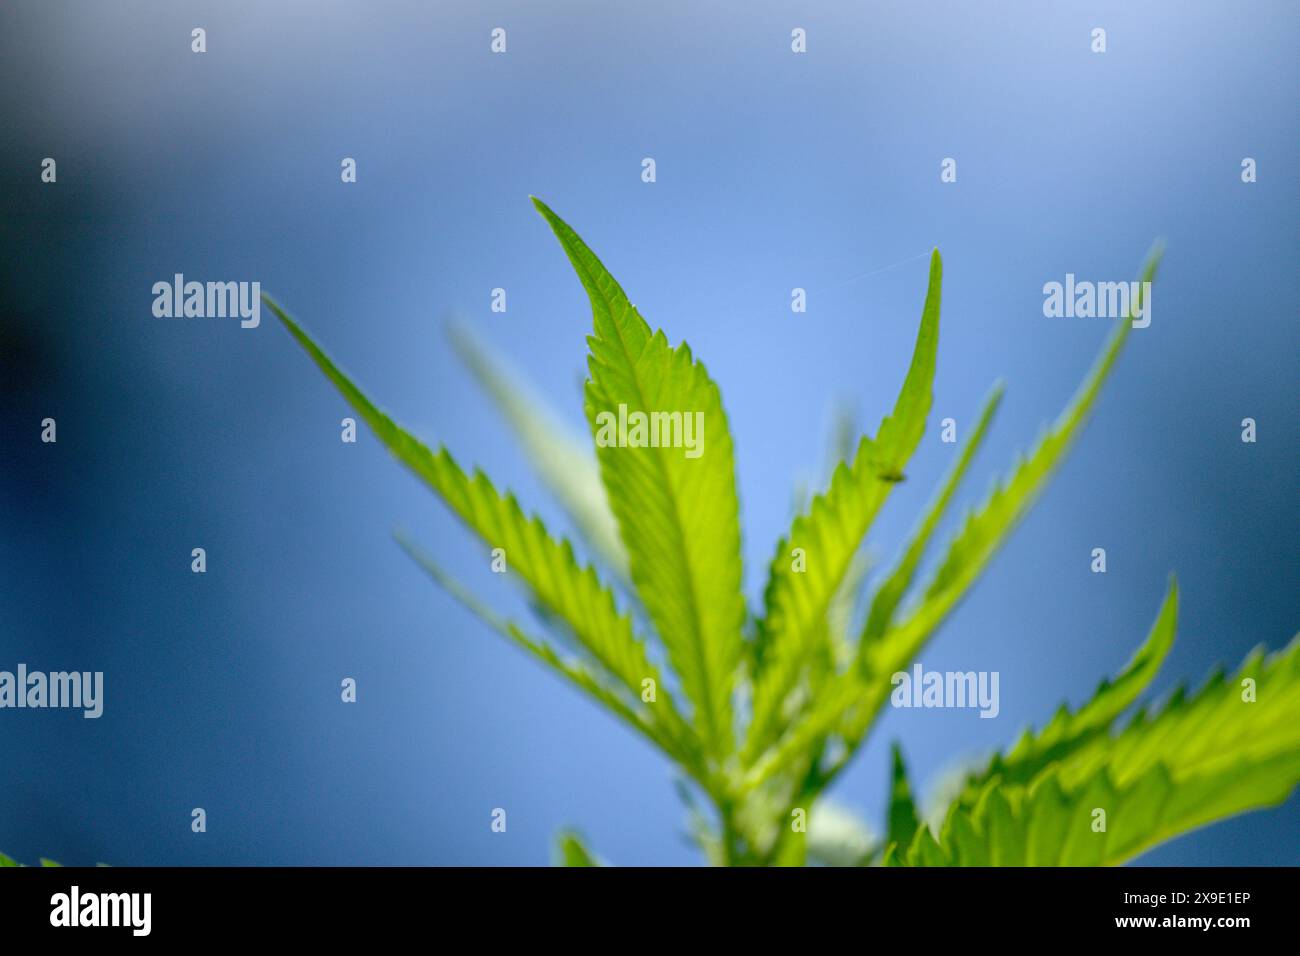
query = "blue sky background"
{"x": 774, "y": 171}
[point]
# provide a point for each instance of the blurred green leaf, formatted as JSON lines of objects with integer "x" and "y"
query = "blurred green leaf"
{"x": 561, "y": 458}
{"x": 571, "y": 851}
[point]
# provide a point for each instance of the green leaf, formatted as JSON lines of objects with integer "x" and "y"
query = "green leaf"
{"x": 831, "y": 531}
{"x": 854, "y": 698}
{"x": 561, "y": 458}
{"x": 986, "y": 528}
{"x": 678, "y": 515}
{"x": 571, "y": 851}
{"x": 902, "y": 810}
{"x": 666, "y": 730}
{"x": 886, "y": 599}
{"x": 1069, "y": 730}
{"x": 569, "y": 592}
{"x": 7, "y": 861}
{"x": 843, "y": 691}
{"x": 1199, "y": 759}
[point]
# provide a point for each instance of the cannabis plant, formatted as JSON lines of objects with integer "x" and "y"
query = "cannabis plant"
{"x": 761, "y": 710}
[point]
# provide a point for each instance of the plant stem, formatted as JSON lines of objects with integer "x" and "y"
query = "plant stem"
{"x": 731, "y": 855}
